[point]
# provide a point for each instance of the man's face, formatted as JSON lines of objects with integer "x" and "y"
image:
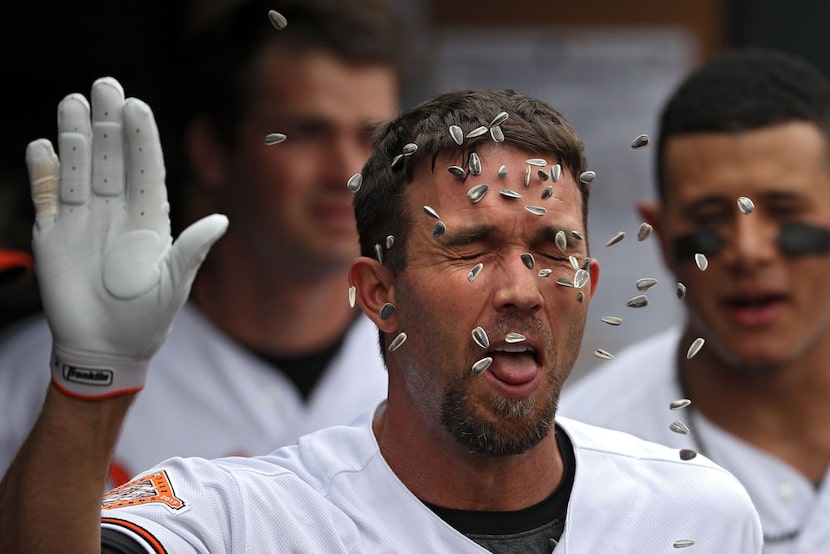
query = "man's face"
{"x": 509, "y": 407}
{"x": 290, "y": 200}
{"x": 758, "y": 304}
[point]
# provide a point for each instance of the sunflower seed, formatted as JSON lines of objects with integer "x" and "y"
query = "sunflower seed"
{"x": 399, "y": 340}
{"x": 574, "y": 262}
{"x": 431, "y": 212}
{"x": 679, "y": 427}
{"x": 680, "y": 403}
{"x": 611, "y": 320}
{"x": 502, "y": 171}
{"x": 507, "y": 193}
{"x": 580, "y": 296}
{"x": 457, "y": 171}
{"x": 500, "y": 118}
{"x": 477, "y": 132}
{"x": 390, "y": 240}
{"x": 528, "y": 260}
{"x": 561, "y": 240}
{"x": 527, "y": 176}
{"x": 565, "y": 282}
{"x": 480, "y": 337}
{"x": 586, "y": 263}
{"x": 547, "y": 193}
{"x": 496, "y": 134}
{"x": 397, "y": 161}
{"x": 587, "y": 177}
{"x": 543, "y": 175}
{"x": 536, "y": 210}
{"x": 555, "y": 172}
{"x": 681, "y": 290}
{"x": 387, "y": 310}
{"x": 640, "y": 142}
{"x": 687, "y": 454}
{"x": 481, "y": 366}
{"x": 581, "y": 278}
{"x": 615, "y": 239}
{"x": 476, "y": 193}
{"x": 475, "y": 164}
{"x": 701, "y": 261}
{"x": 274, "y": 138}
{"x": 277, "y": 20}
{"x": 697, "y": 344}
{"x": 577, "y": 235}
{"x": 379, "y": 253}
{"x": 354, "y": 182}
{"x": 644, "y": 231}
{"x": 352, "y": 296}
{"x": 638, "y": 301}
{"x": 603, "y": 354}
{"x": 645, "y": 283}
{"x": 471, "y": 276}
{"x": 457, "y": 134}
{"x": 409, "y": 149}
{"x": 545, "y": 272}
{"x": 538, "y": 162}
{"x": 745, "y": 205}
{"x": 683, "y": 543}
{"x": 513, "y": 338}
{"x": 438, "y": 229}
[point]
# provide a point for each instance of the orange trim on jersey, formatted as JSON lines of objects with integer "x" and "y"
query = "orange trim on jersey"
{"x": 77, "y": 396}
{"x": 138, "y": 530}
{"x": 153, "y": 488}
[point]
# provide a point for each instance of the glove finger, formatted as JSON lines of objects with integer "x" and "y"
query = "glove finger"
{"x": 107, "y": 145}
{"x": 44, "y": 168}
{"x": 146, "y": 193}
{"x": 192, "y": 246}
{"x": 74, "y": 138}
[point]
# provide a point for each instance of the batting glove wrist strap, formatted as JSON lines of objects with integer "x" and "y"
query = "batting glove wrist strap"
{"x": 94, "y": 377}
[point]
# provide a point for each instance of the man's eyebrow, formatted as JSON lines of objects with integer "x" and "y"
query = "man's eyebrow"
{"x": 470, "y": 235}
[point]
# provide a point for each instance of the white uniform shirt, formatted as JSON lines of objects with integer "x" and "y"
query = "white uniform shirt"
{"x": 632, "y": 393}
{"x": 334, "y": 492}
{"x": 205, "y": 395}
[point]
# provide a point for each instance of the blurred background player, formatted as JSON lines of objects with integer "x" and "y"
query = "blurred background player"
{"x": 268, "y": 348}
{"x": 752, "y": 124}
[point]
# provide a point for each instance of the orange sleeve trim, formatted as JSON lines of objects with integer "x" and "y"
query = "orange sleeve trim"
{"x": 138, "y": 530}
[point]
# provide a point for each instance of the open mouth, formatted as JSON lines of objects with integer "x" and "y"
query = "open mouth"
{"x": 754, "y": 310}
{"x": 515, "y": 364}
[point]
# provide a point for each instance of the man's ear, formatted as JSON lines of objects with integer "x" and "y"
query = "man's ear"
{"x": 651, "y": 212}
{"x": 206, "y": 156}
{"x": 375, "y": 292}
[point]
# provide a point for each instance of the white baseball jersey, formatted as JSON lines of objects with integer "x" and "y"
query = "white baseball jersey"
{"x": 205, "y": 396}
{"x": 632, "y": 393}
{"x": 334, "y": 492}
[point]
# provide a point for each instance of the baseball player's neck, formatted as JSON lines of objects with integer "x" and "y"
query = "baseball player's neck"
{"x": 782, "y": 410}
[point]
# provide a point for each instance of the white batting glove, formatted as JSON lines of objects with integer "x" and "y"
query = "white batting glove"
{"x": 111, "y": 278}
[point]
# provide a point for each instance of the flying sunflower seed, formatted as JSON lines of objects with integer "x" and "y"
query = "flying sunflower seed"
{"x": 538, "y": 162}
{"x": 561, "y": 240}
{"x": 387, "y": 310}
{"x": 352, "y": 296}
{"x": 687, "y": 454}
{"x": 547, "y": 193}
{"x": 536, "y": 210}
{"x": 277, "y": 20}
{"x": 480, "y": 337}
{"x": 431, "y": 212}
{"x": 507, "y": 193}
{"x": 390, "y": 240}
{"x": 683, "y": 543}
{"x": 457, "y": 134}
{"x": 274, "y": 138}
{"x": 481, "y": 366}
{"x": 543, "y": 175}
{"x": 611, "y": 320}
{"x": 457, "y": 171}
{"x": 477, "y": 132}
{"x": 496, "y": 134}
{"x": 574, "y": 262}
{"x": 580, "y": 296}
{"x": 529, "y": 260}
{"x": 644, "y": 231}
{"x": 565, "y": 282}
{"x": 680, "y": 403}
{"x": 577, "y": 235}
{"x": 645, "y": 283}
{"x": 615, "y": 239}
{"x": 603, "y": 354}
{"x": 555, "y": 172}
{"x": 476, "y": 193}
{"x": 581, "y": 278}
{"x": 640, "y": 142}
{"x": 586, "y": 263}
{"x": 679, "y": 427}
{"x": 745, "y": 205}
{"x": 513, "y": 338}
{"x": 379, "y": 253}
{"x": 397, "y": 161}
{"x": 681, "y": 290}
{"x": 475, "y": 164}
{"x": 545, "y": 272}
{"x": 409, "y": 149}
{"x": 587, "y": 177}
{"x": 471, "y": 276}
{"x": 500, "y": 118}
{"x": 701, "y": 261}
{"x": 399, "y": 340}
{"x": 354, "y": 182}
{"x": 639, "y": 301}
{"x": 438, "y": 229}
{"x": 527, "y": 176}
{"x": 502, "y": 171}
{"x": 695, "y": 348}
